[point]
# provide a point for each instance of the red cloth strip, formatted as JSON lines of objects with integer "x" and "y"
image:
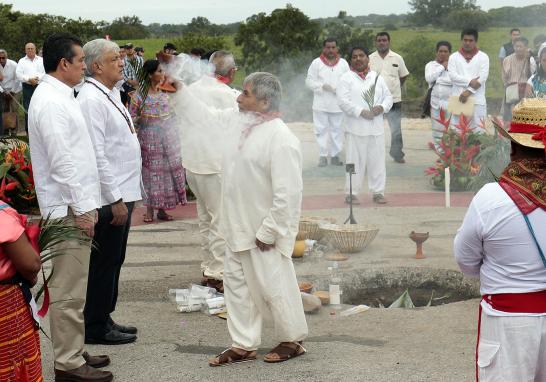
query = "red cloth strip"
{"x": 532, "y": 302}
{"x": 468, "y": 56}
{"x": 362, "y": 74}
{"x": 329, "y": 63}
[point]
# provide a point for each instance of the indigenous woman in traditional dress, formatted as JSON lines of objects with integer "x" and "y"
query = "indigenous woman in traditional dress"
{"x": 536, "y": 86}
{"x": 20, "y": 358}
{"x": 162, "y": 172}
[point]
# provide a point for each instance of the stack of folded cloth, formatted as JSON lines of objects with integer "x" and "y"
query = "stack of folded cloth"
{"x": 191, "y": 300}
{"x": 215, "y": 305}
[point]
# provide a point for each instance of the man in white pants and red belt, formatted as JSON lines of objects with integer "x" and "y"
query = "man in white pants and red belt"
{"x": 502, "y": 241}
{"x": 322, "y": 78}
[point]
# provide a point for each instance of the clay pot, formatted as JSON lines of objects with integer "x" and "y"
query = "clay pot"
{"x": 323, "y": 295}
{"x": 305, "y": 287}
{"x": 299, "y": 248}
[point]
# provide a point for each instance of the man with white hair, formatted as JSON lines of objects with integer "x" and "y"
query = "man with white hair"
{"x": 30, "y": 70}
{"x": 117, "y": 152}
{"x": 261, "y": 204}
{"x": 202, "y": 161}
{"x": 323, "y": 78}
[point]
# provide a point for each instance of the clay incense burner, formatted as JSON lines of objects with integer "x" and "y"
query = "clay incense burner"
{"x": 419, "y": 238}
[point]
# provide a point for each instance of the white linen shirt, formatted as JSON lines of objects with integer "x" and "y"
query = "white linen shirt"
{"x": 350, "y": 90}
{"x": 27, "y": 68}
{"x": 262, "y": 180}
{"x": 320, "y": 74}
{"x": 63, "y": 161}
{"x": 201, "y": 144}
{"x": 117, "y": 149}
{"x": 10, "y": 82}
{"x": 462, "y": 72}
{"x": 437, "y": 74}
{"x": 391, "y": 68}
{"x": 494, "y": 244}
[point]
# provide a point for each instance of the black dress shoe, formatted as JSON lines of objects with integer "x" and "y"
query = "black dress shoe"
{"x": 96, "y": 361}
{"x": 113, "y": 337}
{"x": 124, "y": 329}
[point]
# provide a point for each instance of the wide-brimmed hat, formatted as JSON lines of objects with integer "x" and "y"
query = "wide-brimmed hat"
{"x": 528, "y": 125}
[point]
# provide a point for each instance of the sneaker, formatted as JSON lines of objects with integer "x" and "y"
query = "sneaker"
{"x": 348, "y": 199}
{"x": 323, "y": 162}
{"x": 334, "y": 161}
{"x": 379, "y": 199}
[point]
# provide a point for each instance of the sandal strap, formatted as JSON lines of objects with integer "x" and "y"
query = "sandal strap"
{"x": 229, "y": 355}
{"x": 285, "y": 351}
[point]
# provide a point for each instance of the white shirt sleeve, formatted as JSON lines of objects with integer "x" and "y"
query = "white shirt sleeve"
{"x": 433, "y": 71}
{"x": 456, "y": 78}
{"x": 94, "y": 113}
{"x": 312, "y": 81}
{"x": 468, "y": 243}
{"x": 20, "y": 72}
{"x": 286, "y": 169}
{"x": 386, "y": 98}
{"x": 63, "y": 172}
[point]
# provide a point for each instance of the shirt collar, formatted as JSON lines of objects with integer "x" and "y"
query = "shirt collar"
{"x": 60, "y": 86}
{"x": 100, "y": 85}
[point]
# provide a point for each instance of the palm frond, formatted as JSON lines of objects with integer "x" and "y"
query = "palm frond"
{"x": 143, "y": 79}
{"x": 369, "y": 96}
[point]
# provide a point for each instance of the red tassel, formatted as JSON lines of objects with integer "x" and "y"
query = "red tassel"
{"x": 21, "y": 372}
{"x": 45, "y": 305}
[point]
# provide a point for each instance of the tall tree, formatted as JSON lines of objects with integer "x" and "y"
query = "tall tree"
{"x": 435, "y": 11}
{"x": 126, "y": 27}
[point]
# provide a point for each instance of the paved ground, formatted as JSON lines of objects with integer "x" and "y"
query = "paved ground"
{"x": 424, "y": 344}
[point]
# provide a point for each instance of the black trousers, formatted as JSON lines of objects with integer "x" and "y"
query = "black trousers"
{"x": 394, "y": 117}
{"x": 28, "y": 91}
{"x": 104, "y": 268}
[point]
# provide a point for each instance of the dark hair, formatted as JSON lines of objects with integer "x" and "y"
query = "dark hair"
{"x": 199, "y": 52}
{"x": 522, "y": 39}
{"x": 139, "y": 49}
{"x": 169, "y": 45}
{"x": 539, "y": 39}
{"x": 150, "y": 67}
{"x": 443, "y": 43}
{"x": 383, "y": 34}
{"x": 469, "y": 32}
{"x": 514, "y": 30}
{"x": 365, "y": 50}
{"x": 329, "y": 39}
{"x": 56, "y": 47}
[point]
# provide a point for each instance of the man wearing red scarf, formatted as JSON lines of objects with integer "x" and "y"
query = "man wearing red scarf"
{"x": 502, "y": 242}
{"x": 469, "y": 69}
{"x": 323, "y": 78}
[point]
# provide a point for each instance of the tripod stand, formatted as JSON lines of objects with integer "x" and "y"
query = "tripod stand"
{"x": 350, "y": 169}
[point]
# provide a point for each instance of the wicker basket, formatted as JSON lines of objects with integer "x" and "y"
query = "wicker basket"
{"x": 310, "y": 227}
{"x": 350, "y": 238}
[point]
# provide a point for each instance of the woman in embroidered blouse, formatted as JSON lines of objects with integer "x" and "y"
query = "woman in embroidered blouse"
{"x": 162, "y": 173}
{"x": 19, "y": 264}
{"x": 536, "y": 86}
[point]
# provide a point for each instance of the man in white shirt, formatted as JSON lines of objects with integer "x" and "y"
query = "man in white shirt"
{"x": 392, "y": 68}
{"x": 202, "y": 160}
{"x": 502, "y": 241}
{"x": 9, "y": 85}
{"x": 469, "y": 69}
{"x": 67, "y": 185}
{"x": 117, "y": 151}
{"x": 322, "y": 78}
{"x": 30, "y": 70}
{"x": 261, "y": 205}
{"x": 364, "y": 119}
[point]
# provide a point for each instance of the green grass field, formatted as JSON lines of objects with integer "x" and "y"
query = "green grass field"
{"x": 490, "y": 42}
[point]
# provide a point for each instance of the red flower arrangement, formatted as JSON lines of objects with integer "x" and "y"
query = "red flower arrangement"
{"x": 457, "y": 151}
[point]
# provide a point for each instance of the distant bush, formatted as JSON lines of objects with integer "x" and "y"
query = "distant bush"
{"x": 467, "y": 18}
{"x": 416, "y": 53}
{"x": 193, "y": 40}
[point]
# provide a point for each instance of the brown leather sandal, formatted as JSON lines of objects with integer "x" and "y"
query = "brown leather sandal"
{"x": 285, "y": 351}
{"x": 229, "y": 356}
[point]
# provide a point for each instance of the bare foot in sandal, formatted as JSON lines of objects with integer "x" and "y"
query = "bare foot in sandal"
{"x": 231, "y": 356}
{"x": 162, "y": 215}
{"x": 149, "y": 215}
{"x": 285, "y": 351}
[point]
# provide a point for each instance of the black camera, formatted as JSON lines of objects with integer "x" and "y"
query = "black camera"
{"x": 350, "y": 168}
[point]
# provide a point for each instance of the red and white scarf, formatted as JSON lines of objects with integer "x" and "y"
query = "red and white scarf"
{"x": 362, "y": 74}
{"x": 261, "y": 118}
{"x": 468, "y": 56}
{"x": 324, "y": 59}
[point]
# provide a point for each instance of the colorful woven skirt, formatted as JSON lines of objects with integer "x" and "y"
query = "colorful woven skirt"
{"x": 20, "y": 359}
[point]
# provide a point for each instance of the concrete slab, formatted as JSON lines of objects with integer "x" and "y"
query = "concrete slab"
{"x": 424, "y": 344}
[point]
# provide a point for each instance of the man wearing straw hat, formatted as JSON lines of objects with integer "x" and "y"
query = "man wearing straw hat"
{"x": 502, "y": 242}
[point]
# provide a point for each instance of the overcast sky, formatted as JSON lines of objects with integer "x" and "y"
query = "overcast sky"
{"x": 218, "y": 11}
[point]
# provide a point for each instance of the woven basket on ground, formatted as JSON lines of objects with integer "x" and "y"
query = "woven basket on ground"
{"x": 310, "y": 227}
{"x": 350, "y": 238}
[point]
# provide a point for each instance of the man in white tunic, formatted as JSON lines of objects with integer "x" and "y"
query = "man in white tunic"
{"x": 202, "y": 159}
{"x": 30, "y": 70}
{"x": 261, "y": 205}
{"x": 469, "y": 69}
{"x": 365, "y": 132}
{"x": 67, "y": 185}
{"x": 323, "y": 78}
{"x": 502, "y": 241}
